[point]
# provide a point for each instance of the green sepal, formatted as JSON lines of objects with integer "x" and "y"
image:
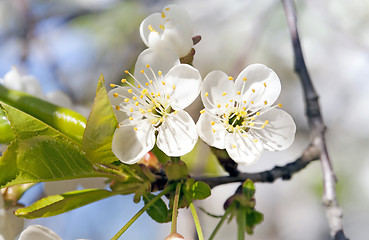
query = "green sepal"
{"x": 176, "y": 170}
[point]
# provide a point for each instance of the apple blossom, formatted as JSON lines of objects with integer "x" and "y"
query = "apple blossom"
{"x": 239, "y": 115}
{"x": 38, "y": 232}
{"x": 154, "y": 105}
{"x": 172, "y": 28}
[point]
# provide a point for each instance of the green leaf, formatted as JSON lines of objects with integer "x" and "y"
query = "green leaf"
{"x": 253, "y": 218}
{"x": 100, "y": 128}
{"x": 200, "y": 190}
{"x": 248, "y": 189}
{"x": 6, "y": 133}
{"x": 159, "y": 210}
{"x": 64, "y": 120}
{"x": 40, "y": 153}
{"x": 57, "y": 204}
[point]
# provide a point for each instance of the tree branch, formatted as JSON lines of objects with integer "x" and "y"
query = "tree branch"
{"x": 317, "y": 127}
{"x": 285, "y": 172}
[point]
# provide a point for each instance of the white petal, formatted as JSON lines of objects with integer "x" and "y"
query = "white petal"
{"x": 177, "y": 135}
{"x": 154, "y": 20}
{"x": 254, "y": 89}
{"x": 38, "y": 232}
{"x": 180, "y": 42}
{"x": 187, "y": 81}
{"x": 130, "y": 145}
{"x": 205, "y": 130}
{"x": 158, "y": 59}
{"x": 243, "y": 150}
{"x": 279, "y": 134}
{"x": 180, "y": 17}
{"x": 219, "y": 88}
{"x": 119, "y": 101}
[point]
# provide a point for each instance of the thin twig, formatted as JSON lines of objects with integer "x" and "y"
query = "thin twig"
{"x": 317, "y": 127}
{"x": 284, "y": 172}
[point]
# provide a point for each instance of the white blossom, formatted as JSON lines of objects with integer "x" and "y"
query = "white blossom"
{"x": 239, "y": 115}
{"x": 38, "y": 232}
{"x": 151, "y": 109}
{"x": 171, "y": 28}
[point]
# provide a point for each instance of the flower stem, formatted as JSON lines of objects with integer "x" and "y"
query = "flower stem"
{"x": 175, "y": 159}
{"x": 197, "y": 221}
{"x": 175, "y": 208}
{"x": 224, "y": 217}
{"x": 139, "y": 213}
{"x": 241, "y": 224}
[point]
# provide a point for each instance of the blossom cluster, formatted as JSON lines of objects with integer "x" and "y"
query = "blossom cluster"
{"x": 239, "y": 115}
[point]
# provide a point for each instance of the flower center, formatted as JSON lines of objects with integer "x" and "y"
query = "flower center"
{"x": 148, "y": 100}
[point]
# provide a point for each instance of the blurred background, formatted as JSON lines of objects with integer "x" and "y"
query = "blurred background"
{"x": 67, "y": 44}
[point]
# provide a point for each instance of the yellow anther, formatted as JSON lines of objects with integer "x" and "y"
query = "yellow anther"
{"x": 244, "y": 135}
{"x": 238, "y": 92}
{"x": 265, "y": 102}
{"x": 174, "y": 86}
{"x": 244, "y": 79}
{"x": 118, "y": 125}
{"x": 158, "y": 94}
{"x": 161, "y": 119}
{"x": 213, "y": 130}
{"x": 253, "y": 90}
{"x": 236, "y": 113}
{"x": 130, "y": 90}
{"x": 131, "y": 118}
{"x": 252, "y": 102}
{"x": 151, "y": 81}
{"x": 265, "y": 85}
{"x": 266, "y": 122}
{"x": 135, "y": 128}
{"x": 161, "y": 27}
{"x": 115, "y": 94}
{"x": 212, "y": 122}
{"x": 152, "y": 93}
{"x": 112, "y": 85}
{"x": 244, "y": 102}
{"x": 136, "y": 103}
{"x": 126, "y": 71}
{"x": 126, "y": 99}
{"x": 280, "y": 105}
{"x": 153, "y": 121}
{"x": 141, "y": 110}
{"x": 141, "y": 96}
{"x": 134, "y": 98}
{"x": 202, "y": 111}
{"x": 218, "y": 105}
{"x": 243, "y": 113}
{"x": 117, "y": 107}
{"x": 150, "y": 28}
{"x": 224, "y": 93}
{"x": 251, "y": 124}
{"x": 147, "y": 84}
{"x": 252, "y": 118}
{"x": 131, "y": 109}
{"x": 142, "y": 71}
{"x": 234, "y": 146}
{"x": 160, "y": 73}
{"x": 149, "y": 110}
{"x": 163, "y": 15}
{"x": 244, "y": 123}
{"x": 168, "y": 96}
{"x": 255, "y": 140}
{"x": 138, "y": 86}
{"x": 147, "y": 65}
{"x": 238, "y": 127}
{"x": 123, "y": 80}
{"x": 257, "y": 114}
{"x": 226, "y": 105}
{"x": 167, "y": 9}
{"x": 157, "y": 105}
{"x": 175, "y": 112}
{"x": 231, "y": 100}
{"x": 206, "y": 94}
{"x": 162, "y": 82}
{"x": 244, "y": 108}
{"x": 144, "y": 91}
{"x": 230, "y": 78}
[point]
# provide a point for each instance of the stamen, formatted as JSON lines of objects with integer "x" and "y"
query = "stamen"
{"x": 218, "y": 105}
{"x": 280, "y": 105}
{"x": 230, "y": 78}
{"x": 130, "y": 90}
{"x": 115, "y": 94}
{"x": 213, "y": 130}
{"x": 265, "y": 102}
{"x": 224, "y": 93}
{"x": 123, "y": 80}
{"x": 131, "y": 118}
{"x": 206, "y": 94}
{"x": 126, "y": 99}
{"x": 234, "y": 146}
{"x": 212, "y": 122}
{"x": 238, "y": 92}
{"x": 160, "y": 73}
{"x": 255, "y": 140}
{"x": 253, "y": 90}
{"x": 265, "y": 85}
{"x": 112, "y": 85}
{"x": 244, "y": 79}
{"x": 202, "y": 111}
{"x": 117, "y": 107}
{"x": 135, "y": 128}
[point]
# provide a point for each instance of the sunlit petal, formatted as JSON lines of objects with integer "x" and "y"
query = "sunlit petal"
{"x": 211, "y": 131}
{"x": 177, "y": 135}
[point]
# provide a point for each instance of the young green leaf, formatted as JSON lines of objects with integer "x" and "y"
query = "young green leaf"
{"x": 40, "y": 153}
{"x": 159, "y": 210}
{"x": 6, "y": 135}
{"x": 100, "y": 128}
{"x": 57, "y": 204}
{"x": 248, "y": 189}
{"x": 66, "y": 121}
{"x": 200, "y": 190}
{"x": 253, "y": 218}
